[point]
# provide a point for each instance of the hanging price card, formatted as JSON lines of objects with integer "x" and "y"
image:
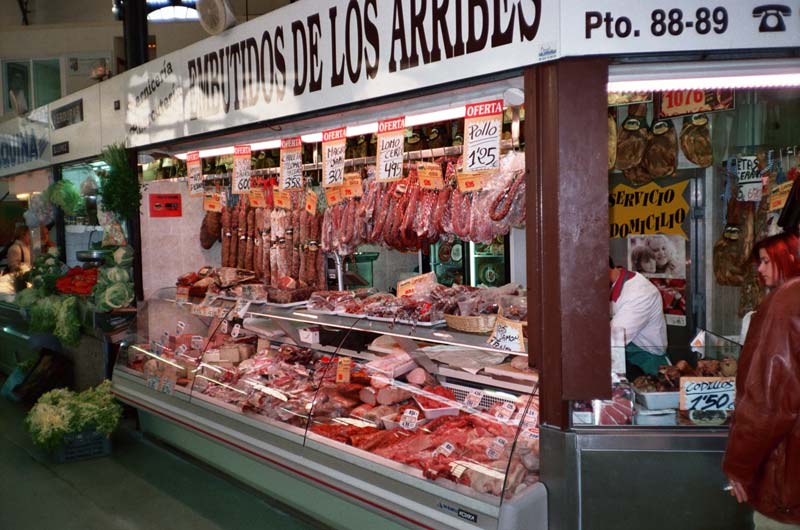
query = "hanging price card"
{"x": 391, "y": 137}
{"x": 409, "y": 419}
{"x": 333, "y": 195}
{"x": 333, "y": 151}
{"x": 212, "y": 202}
{"x": 507, "y": 335}
{"x": 223, "y": 327}
{"x": 343, "y": 367}
{"x": 256, "y": 198}
{"x": 445, "y": 449}
{"x": 685, "y": 102}
{"x": 779, "y": 195}
{"x": 197, "y": 342}
{"x": 483, "y": 125}
{"x": 237, "y": 328}
{"x": 352, "y": 186}
{"x": 241, "y": 170}
{"x": 429, "y": 175}
{"x": 423, "y": 282}
{"x": 748, "y": 178}
{"x": 179, "y": 327}
{"x": 194, "y": 169}
{"x": 707, "y": 393}
{"x": 505, "y": 412}
{"x": 469, "y": 181}
{"x": 311, "y": 202}
{"x": 291, "y": 163}
{"x": 496, "y": 448}
{"x": 282, "y": 199}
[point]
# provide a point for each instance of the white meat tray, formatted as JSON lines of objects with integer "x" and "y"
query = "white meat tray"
{"x": 659, "y": 400}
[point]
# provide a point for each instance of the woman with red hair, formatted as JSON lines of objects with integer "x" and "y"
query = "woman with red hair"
{"x": 761, "y": 460}
{"x": 777, "y": 259}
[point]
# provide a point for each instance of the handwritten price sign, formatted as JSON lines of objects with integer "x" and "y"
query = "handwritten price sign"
{"x": 391, "y": 135}
{"x": 291, "y": 163}
{"x": 708, "y": 393}
{"x": 333, "y": 151}
{"x": 507, "y": 335}
{"x": 748, "y": 178}
{"x": 241, "y": 169}
{"x": 195, "y": 171}
{"x": 483, "y": 126}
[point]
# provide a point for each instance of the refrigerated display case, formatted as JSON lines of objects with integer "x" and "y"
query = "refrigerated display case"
{"x": 384, "y": 427}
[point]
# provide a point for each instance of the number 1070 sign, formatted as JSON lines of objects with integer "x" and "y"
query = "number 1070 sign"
{"x": 483, "y": 126}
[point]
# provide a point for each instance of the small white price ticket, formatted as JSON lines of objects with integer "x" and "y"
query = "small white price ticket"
{"x": 473, "y": 399}
{"x": 445, "y": 449}
{"x": 223, "y": 327}
{"x": 179, "y": 327}
{"x": 409, "y": 419}
{"x": 236, "y": 330}
{"x": 197, "y": 342}
{"x": 505, "y": 412}
{"x": 496, "y": 448}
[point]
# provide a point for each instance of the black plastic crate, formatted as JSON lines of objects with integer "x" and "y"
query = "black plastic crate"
{"x": 82, "y": 446}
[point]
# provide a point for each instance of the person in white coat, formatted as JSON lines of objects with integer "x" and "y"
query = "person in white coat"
{"x": 636, "y": 307}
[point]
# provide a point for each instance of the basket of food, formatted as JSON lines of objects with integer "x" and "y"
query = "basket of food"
{"x": 471, "y": 324}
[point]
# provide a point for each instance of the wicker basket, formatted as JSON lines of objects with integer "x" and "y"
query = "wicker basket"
{"x": 476, "y": 324}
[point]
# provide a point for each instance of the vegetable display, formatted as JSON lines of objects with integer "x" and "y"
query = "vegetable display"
{"x": 61, "y": 412}
{"x": 114, "y": 288}
{"x": 119, "y": 191}
{"x": 77, "y": 281}
{"x": 64, "y": 194}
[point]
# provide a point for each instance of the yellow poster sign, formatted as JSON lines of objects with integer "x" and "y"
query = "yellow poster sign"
{"x": 649, "y": 209}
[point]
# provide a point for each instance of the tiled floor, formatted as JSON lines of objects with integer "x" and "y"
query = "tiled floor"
{"x": 142, "y": 486}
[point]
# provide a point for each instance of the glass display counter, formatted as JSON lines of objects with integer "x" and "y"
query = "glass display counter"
{"x": 366, "y": 411}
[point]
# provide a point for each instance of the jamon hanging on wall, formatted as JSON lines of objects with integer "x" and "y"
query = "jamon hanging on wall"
{"x": 696, "y": 140}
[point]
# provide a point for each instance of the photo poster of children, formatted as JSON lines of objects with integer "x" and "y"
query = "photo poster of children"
{"x": 662, "y": 259}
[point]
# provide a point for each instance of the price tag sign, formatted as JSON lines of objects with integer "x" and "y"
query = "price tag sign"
{"x": 496, "y": 448}
{"x": 685, "y": 102}
{"x": 352, "y": 186}
{"x": 417, "y": 284}
{"x": 779, "y": 195}
{"x": 343, "y": 367}
{"x": 241, "y": 170}
{"x": 197, "y": 342}
{"x": 237, "y": 328}
{"x": 505, "y": 412}
{"x": 165, "y": 338}
{"x": 242, "y": 306}
{"x": 391, "y": 138}
{"x": 181, "y": 294}
{"x": 507, "y": 335}
{"x": 291, "y": 163}
{"x": 483, "y": 125}
{"x": 531, "y": 420}
{"x": 409, "y": 419}
{"x": 473, "y": 399}
{"x": 333, "y": 195}
{"x": 311, "y": 202}
{"x": 445, "y": 449}
{"x": 194, "y": 169}
{"x": 181, "y": 350}
{"x": 333, "y": 151}
{"x": 430, "y": 176}
{"x": 469, "y": 181}
{"x": 708, "y": 393}
{"x": 212, "y": 202}
{"x": 223, "y": 327}
{"x": 179, "y": 327}
{"x": 282, "y": 199}
{"x": 256, "y": 198}
{"x": 153, "y": 382}
{"x": 748, "y": 179}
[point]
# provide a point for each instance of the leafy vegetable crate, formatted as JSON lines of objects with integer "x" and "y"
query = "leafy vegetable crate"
{"x": 82, "y": 446}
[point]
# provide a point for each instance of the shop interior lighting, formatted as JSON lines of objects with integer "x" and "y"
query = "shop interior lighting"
{"x": 23, "y": 196}
{"x": 781, "y": 73}
{"x": 356, "y": 130}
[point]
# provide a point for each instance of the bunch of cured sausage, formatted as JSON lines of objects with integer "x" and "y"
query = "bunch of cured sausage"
{"x": 280, "y": 245}
{"x": 404, "y": 216}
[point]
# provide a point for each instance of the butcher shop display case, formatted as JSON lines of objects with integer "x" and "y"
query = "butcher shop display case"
{"x": 377, "y": 420}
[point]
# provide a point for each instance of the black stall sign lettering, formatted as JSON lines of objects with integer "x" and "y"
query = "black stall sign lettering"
{"x": 708, "y": 393}
{"x": 704, "y": 20}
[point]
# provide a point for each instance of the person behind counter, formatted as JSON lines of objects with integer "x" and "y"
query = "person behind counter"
{"x": 762, "y": 460}
{"x": 19, "y": 253}
{"x": 637, "y": 308}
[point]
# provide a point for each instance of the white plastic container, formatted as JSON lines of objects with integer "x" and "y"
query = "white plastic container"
{"x": 659, "y": 400}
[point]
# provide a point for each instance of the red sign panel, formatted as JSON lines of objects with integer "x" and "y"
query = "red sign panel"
{"x": 165, "y": 205}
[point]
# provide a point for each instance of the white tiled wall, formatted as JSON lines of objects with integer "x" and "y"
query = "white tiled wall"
{"x": 171, "y": 245}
